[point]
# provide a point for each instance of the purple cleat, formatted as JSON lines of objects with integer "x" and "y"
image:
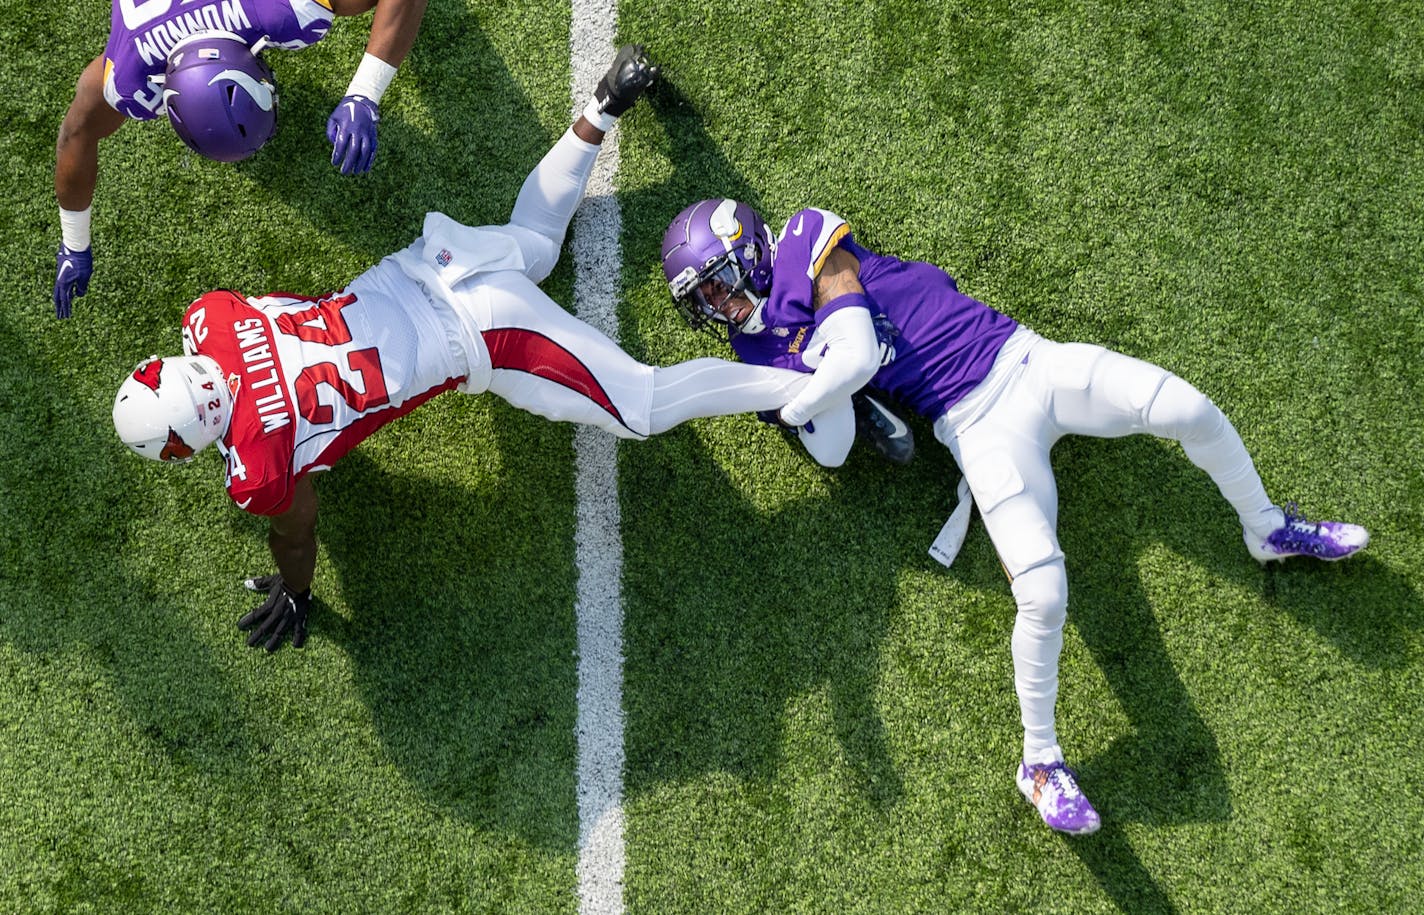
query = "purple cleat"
{"x": 1328, "y": 540}
{"x": 1052, "y": 788}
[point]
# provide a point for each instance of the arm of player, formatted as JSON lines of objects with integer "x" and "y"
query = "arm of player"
{"x": 76, "y": 154}
{"x": 292, "y": 540}
{"x": 393, "y": 27}
{"x": 844, "y": 326}
{"x": 352, "y": 126}
{"x": 292, "y": 537}
{"x": 76, "y": 172}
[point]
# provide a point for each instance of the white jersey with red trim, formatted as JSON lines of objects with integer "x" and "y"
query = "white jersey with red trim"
{"x": 311, "y": 378}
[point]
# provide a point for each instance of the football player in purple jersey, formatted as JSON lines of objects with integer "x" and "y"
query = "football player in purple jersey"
{"x": 198, "y": 61}
{"x": 999, "y": 396}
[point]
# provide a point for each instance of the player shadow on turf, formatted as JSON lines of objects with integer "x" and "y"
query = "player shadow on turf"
{"x": 462, "y": 638}
{"x": 1119, "y": 499}
{"x": 1364, "y": 609}
{"x": 78, "y": 593}
{"x": 461, "y": 628}
{"x": 1167, "y": 771}
{"x": 818, "y": 630}
{"x": 745, "y": 620}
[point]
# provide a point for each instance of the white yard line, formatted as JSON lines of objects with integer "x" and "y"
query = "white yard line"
{"x": 598, "y": 544}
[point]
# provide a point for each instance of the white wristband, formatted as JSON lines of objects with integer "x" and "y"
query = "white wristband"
{"x": 600, "y": 119}
{"x": 74, "y": 226}
{"x": 371, "y": 79}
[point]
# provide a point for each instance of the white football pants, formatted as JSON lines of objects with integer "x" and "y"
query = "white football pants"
{"x": 1001, "y": 433}
{"x": 550, "y": 363}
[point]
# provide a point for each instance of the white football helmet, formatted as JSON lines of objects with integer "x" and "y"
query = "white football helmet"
{"x": 170, "y": 409}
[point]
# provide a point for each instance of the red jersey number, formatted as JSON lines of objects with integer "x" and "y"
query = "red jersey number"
{"x": 322, "y": 323}
{"x": 365, "y": 364}
{"x": 331, "y": 330}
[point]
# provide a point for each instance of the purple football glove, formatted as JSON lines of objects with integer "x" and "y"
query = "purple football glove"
{"x": 72, "y": 270}
{"x": 352, "y": 132}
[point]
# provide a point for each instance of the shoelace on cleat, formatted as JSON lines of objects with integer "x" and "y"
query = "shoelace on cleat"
{"x": 1062, "y": 778}
{"x": 1302, "y": 535}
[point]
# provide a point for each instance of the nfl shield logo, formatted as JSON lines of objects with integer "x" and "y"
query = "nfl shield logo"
{"x": 444, "y": 257}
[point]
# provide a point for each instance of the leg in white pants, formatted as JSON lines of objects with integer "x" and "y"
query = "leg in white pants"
{"x": 1074, "y": 388}
{"x": 547, "y": 201}
{"x": 550, "y": 363}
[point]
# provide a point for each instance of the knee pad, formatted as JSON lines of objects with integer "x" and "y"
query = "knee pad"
{"x": 1181, "y": 412}
{"x": 1041, "y": 594}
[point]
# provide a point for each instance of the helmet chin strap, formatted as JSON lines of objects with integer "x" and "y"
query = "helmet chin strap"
{"x": 754, "y": 323}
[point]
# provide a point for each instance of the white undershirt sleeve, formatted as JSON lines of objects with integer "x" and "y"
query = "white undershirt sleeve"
{"x": 852, "y": 358}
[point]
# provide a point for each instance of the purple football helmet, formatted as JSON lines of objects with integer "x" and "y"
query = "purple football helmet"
{"x": 716, "y": 249}
{"x": 220, "y": 96}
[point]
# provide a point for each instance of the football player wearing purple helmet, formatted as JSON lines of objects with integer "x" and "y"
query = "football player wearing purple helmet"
{"x": 999, "y": 395}
{"x": 719, "y": 249}
{"x": 199, "y": 61}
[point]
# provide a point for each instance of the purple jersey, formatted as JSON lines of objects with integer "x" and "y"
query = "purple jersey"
{"x": 142, "y": 32}
{"x": 944, "y": 342}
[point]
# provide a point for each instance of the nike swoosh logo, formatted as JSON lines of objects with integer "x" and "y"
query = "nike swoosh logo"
{"x": 168, "y": 94}
{"x": 65, "y": 269}
{"x": 261, "y": 93}
{"x": 799, "y": 223}
{"x": 245, "y": 502}
{"x": 896, "y": 423}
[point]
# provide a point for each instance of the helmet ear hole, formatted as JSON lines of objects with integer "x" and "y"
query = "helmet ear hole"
{"x": 709, "y": 237}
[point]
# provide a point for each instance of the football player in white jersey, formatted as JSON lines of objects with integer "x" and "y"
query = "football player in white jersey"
{"x": 285, "y": 386}
{"x": 198, "y": 62}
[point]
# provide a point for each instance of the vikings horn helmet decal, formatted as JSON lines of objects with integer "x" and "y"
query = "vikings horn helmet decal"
{"x": 169, "y": 409}
{"x": 220, "y": 96}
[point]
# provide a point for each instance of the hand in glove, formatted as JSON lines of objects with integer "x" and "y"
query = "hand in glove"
{"x": 352, "y": 132}
{"x": 72, "y": 270}
{"x": 283, "y": 612}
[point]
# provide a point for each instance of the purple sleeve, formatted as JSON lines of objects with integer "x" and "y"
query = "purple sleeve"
{"x": 808, "y": 239}
{"x": 292, "y": 24}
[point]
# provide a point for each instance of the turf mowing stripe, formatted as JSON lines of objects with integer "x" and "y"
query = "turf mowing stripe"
{"x": 598, "y": 546}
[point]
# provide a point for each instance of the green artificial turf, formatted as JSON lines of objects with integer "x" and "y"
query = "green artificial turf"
{"x": 819, "y": 717}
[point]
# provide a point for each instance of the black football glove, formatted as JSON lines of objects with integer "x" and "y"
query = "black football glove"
{"x": 626, "y": 80}
{"x": 283, "y": 612}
